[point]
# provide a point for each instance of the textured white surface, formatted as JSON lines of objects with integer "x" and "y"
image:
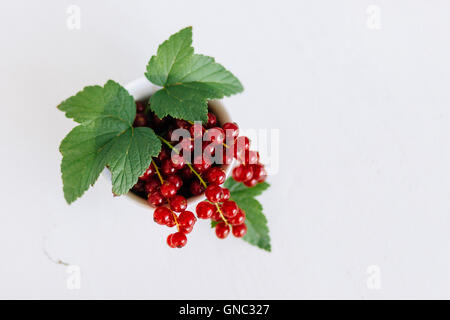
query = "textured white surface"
{"x": 365, "y": 153}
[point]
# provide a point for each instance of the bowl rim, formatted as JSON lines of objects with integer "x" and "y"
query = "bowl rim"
{"x": 142, "y": 89}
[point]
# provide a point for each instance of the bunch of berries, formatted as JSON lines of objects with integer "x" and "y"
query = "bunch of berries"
{"x": 178, "y": 173}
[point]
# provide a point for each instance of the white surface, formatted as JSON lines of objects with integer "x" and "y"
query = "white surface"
{"x": 365, "y": 157}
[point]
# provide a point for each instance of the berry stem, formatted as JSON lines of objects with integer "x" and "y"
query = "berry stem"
{"x": 176, "y": 220}
{"x": 188, "y": 164}
{"x": 157, "y": 172}
{"x": 221, "y": 214}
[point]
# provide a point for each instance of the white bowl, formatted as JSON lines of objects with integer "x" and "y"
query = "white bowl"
{"x": 142, "y": 89}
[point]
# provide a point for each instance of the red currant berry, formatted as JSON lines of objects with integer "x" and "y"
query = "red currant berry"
{"x": 171, "y": 223}
{"x": 186, "y": 145}
{"x": 201, "y": 164}
{"x": 208, "y": 149}
{"x": 178, "y": 203}
{"x": 214, "y": 193}
{"x": 227, "y": 156}
{"x": 187, "y": 219}
{"x": 197, "y": 131}
{"x": 240, "y": 230}
{"x": 140, "y": 107}
{"x": 186, "y": 230}
{"x": 229, "y": 209}
{"x": 169, "y": 241}
{"x": 148, "y": 173}
{"x": 187, "y": 173}
{"x": 167, "y": 167}
{"x": 178, "y": 161}
{"x": 156, "y": 199}
{"x": 242, "y": 173}
{"x": 215, "y": 175}
{"x": 250, "y": 157}
{"x": 216, "y": 216}
{"x": 196, "y": 188}
{"x": 251, "y": 183}
{"x": 164, "y": 154}
{"x": 175, "y": 180}
{"x": 179, "y": 240}
{"x": 140, "y": 120}
{"x": 231, "y": 130}
{"x": 215, "y": 135}
{"x": 212, "y": 120}
{"x": 242, "y": 144}
{"x": 238, "y": 219}
{"x": 259, "y": 172}
{"x": 152, "y": 185}
{"x": 205, "y": 210}
{"x": 168, "y": 190}
{"x": 226, "y": 194}
{"x": 183, "y": 124}
{"x": 162, "y": 215}
{"x": 222, "y": 230}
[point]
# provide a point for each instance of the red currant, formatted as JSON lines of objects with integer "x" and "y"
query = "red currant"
{"x": 215, "y": 175}
{"x": 212, "y": 120}
{"x": 162, "y": 215}
{"x": 178, "y": 240}
{"x": 164, "y": 154}
{"x": 214, "y": 193}
{"x": 152, "y": 185}
{"x": 240, "y": 230}
{"x": 242, "y": 173}
{"x": 196, "y": 188}
{"x": 156, "y": 199}
{"x": 175, "y": 180}
{"x": 171, "y": 223}
{"x": 186, "y": 173}
{"x": 186, "y": 219}
{"x": 251, "y": 183}
{"x": 231, "y": 130}
{"x": 226, "y": 194}
{"x": 215, "y": 135}
{"x": 201, "y": 164}
{"x": 229, "y": 209}
{"x": 178, "y": 161}
{"x": 186, "y": 230}
{"x": 197, "y": 131}
{"x": 168, "y": 190}
{"x": 183, "y": 124}
{"x": 222, "y": 230}
{"x": 148, "y": 173}
{"x": 169, "y": 241}
{"x": 259, "y": 172}
{"x": 205, "y": 210}
{"x": 238, "y": 219}
{"x": 242, "y": 144}
{"x": 178, "y": 203}
{"x": 167, "y": 168}
{"x": 216, "y": 216}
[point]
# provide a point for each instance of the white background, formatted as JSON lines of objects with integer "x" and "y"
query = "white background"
{"x": 364, "y": 162}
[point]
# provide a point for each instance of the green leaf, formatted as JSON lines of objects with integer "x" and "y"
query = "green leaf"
{"x": 189, "y": 80}
{"x": 258, "y": 232}
{"x": 105, "y": 137}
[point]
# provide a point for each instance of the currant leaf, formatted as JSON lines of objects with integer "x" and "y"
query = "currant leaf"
{"x": 105, "y": 137}
{"x": 189, "y": 80}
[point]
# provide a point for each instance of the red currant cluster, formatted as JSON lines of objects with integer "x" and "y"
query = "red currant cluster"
{"x": 177, "y": 174}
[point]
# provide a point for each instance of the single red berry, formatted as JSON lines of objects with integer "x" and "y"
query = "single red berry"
{"x": 167, "y": 167}
{"x": 229, "y": 209}
{"x": 208, "y": 149}
{"x": 178, "y": 203}
{"x": 162, "y": 215}
{"x": 171, "y": 223}
{"x": 215, "y": 175}
{"x": 140, "y": 107}
{"x": 186, "y": 230}
{"x": 251, "y": 183}
{"x": 169, "y": 241}
{"x": 140, "y": 120}
{"x": 201, "y": 164}
{"x": 250, "y": 157}
{"x": 197, "y": 131}
{"x": 222, "y": 230}
{"x": 216, "y": 216}
{"x": 168, "y": 190}
{"x": 186, "y": 219}
{"x": 259, "y": 172}
{"x": 205, "y": 210}
{"x": 186, "y": 173}
{"x": 183, "y": 124}
{"x": 212, "y": 120}
{"x": 214, "y": 193}
{"x": 179, "y": 240}
{"x": 215, "y": 135}
{"x": 241, "y": 145}
{"x": 175, "y": 180}
{"x": 164, "y": 154}
{"x": 148, "y": 173}
{"x": 156, "y": 199}
{"x": 185, "y": 146}
{"x": 231, "y": 131}
{"x": 178, "y": 161}
{"x": 228, "y": 156}
{"x": 196, "y": 188}
{"x": 238, "y": 219}
{"x": 242, "y": 173}
{"x": 240, "y": 230}
{"x": 152, "y": 185}
{"x": 226, "y": 194}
